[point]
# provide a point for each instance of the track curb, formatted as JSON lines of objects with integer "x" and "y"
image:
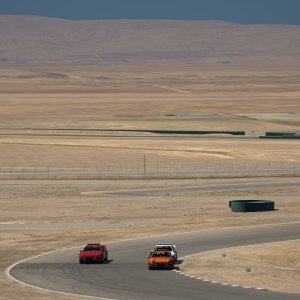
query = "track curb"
{"x": 216, "y": 282}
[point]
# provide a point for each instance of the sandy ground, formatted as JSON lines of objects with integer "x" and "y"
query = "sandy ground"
{"x": 48, "y": 152}
{"x": 34, "y": 104}
{"x": 254, "y": 100}
{"x": 271, "y": 266}
{"x": 54, "y": 120}
{"x": 38, "y": 203}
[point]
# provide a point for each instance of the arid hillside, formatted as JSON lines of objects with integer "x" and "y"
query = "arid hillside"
{"x": 39, "y": 41}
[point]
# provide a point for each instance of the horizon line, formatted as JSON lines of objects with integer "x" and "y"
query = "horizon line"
{"x": 149, "y": 19}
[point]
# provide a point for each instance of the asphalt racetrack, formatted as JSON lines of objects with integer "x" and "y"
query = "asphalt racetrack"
{"x": 126, "y": 275}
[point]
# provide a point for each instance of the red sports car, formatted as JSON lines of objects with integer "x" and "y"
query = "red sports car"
{"x": 95, "y": 253}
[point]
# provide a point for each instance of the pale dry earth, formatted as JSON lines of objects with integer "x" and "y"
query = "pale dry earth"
{"x": 40, "y": 202}
{"x": 51, "y": 120}
{"x": 38, "y": 103}
{"x": 272, "y": 266}
{"x": 47, "y": 152}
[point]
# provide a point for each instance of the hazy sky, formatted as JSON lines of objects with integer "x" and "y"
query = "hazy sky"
{"x": 240, "y": 11}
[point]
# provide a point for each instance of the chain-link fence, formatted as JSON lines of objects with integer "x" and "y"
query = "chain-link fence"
{"x": 242, "y": 169}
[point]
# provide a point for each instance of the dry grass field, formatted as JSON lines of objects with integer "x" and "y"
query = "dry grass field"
{"x": 63, "y": 202}
{"x": 271, "y": 266}
{"x": 54, "y": 117}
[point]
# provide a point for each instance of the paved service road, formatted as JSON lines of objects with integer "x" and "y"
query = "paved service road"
{"x": 203, "y": 189}
{"x": 126, "y": 275}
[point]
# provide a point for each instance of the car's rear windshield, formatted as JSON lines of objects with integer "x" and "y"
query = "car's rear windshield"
{"x": 169, "y": 248}
{"x": 161, "y": 254}
{"x": 91, "y": 248}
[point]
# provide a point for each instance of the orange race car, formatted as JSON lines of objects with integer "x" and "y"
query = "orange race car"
{"x": 160, "y": 259}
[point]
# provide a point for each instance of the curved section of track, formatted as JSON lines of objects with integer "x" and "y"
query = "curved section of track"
{"x": 126, "y": 275}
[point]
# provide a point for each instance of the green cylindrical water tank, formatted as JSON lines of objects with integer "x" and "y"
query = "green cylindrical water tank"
{"x": 251, "y": 205}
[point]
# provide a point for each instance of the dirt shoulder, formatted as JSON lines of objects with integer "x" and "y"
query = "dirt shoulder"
{"x": 273, "y": 266}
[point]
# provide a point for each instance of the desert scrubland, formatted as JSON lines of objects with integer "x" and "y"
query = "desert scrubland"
{"x": 59, "y": 120}
{"x": 56, "y": 117}
{"x": 267, "y": 265}
{"x": 64, "y": 84}
{"x": 69, "y": 207}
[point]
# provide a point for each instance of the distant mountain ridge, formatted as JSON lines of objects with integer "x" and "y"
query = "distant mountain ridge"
{"x": 41, "y": 41}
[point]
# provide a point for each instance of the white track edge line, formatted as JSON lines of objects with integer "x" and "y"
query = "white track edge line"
{"x": 7, "y": 273}
{"x": 8, "y": 269}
